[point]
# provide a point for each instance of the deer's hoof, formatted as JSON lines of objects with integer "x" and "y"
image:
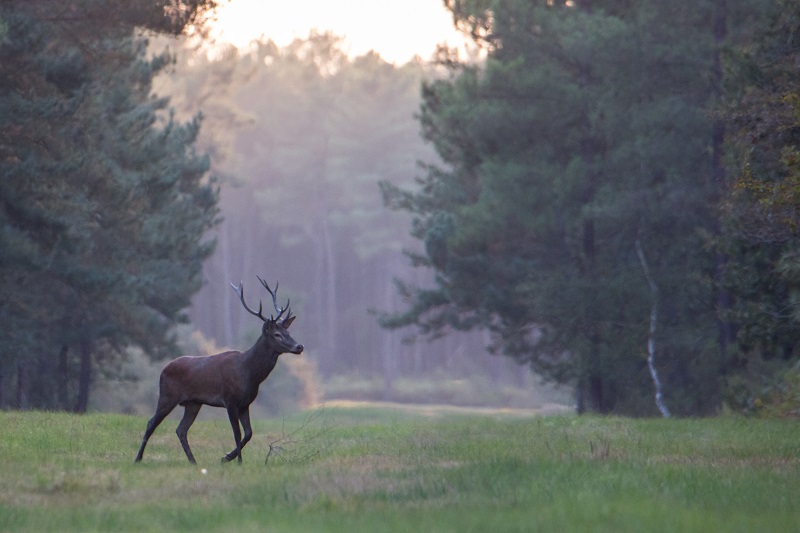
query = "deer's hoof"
{"x": 225, "y": 459}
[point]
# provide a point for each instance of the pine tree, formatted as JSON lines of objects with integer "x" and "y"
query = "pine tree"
{"x": 103, "y": 204}
{"x": 582, "y": 141}
{"x": 760, "y": 207}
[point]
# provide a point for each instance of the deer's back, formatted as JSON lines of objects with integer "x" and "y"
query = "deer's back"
{"x": 197, "y": 378}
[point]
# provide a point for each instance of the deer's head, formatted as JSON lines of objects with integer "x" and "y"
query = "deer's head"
{"x": 275, "y": 329}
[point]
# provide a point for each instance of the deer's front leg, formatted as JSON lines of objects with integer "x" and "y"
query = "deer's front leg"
{"x": 244, "y": 418}
{"x": 233, "y": 416}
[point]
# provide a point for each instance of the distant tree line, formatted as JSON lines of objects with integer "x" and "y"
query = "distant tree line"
{"x": 104, "y": 202}
{"x": 301, "y": 136}
{"x": 618, "y": 188}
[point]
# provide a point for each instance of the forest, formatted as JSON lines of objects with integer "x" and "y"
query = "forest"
{"x": 599, "y": 207}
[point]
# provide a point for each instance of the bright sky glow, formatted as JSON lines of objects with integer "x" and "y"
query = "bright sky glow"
{"x": 396, "y": 30}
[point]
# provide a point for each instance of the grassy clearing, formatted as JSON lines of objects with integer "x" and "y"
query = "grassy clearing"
{"x": 370, "y": 469}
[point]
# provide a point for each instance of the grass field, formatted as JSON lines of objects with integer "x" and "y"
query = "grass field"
{"x": 379, "y": 469}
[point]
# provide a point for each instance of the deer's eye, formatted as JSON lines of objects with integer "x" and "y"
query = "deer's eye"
{"x": 278, "y": 335}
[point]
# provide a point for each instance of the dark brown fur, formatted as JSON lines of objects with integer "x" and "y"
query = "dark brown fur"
{"x": 229, "y": 380}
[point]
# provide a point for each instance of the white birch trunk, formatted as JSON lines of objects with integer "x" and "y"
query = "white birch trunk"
{"x": 651, "y": 340}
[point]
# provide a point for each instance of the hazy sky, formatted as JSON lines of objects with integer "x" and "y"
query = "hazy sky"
{"x": 396, "y": 30}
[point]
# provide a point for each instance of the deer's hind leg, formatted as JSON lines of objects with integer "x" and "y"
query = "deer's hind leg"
{"x": 164, "y": 408}
{"x": 189, "y": 414}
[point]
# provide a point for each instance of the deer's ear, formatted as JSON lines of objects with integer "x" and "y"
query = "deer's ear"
{"x": 288, "y": 322}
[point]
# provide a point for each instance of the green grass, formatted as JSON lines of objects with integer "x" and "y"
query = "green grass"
{"x": 388, "y": 470}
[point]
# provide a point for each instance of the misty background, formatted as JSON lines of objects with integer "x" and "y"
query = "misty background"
{"x": 300, "y": 137}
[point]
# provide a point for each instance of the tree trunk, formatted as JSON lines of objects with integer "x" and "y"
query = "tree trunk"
{"x": 84, "y": 376}
{"x": 597, "y": 394}
{"x": 580, "y": 398}
{"x": 387, "y": 352}
{"x": 726, "y": 330}
{"x": 327, "y": 275}
{"x": 651, "y": 340}
{"x": 22, "y": 385}
{"x": 590, "y": 395}
{"x": 331, "y": 311}
{"x": 62, "y": 379}
{"x": 225, "y": 250}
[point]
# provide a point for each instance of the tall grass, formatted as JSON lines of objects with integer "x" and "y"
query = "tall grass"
{"x": 380, "y": 470}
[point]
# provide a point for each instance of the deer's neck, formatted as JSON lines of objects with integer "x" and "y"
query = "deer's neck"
{"x": 261, "y": 359}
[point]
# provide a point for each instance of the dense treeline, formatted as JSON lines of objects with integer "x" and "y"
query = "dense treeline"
{"x": 618, "y": 196}
{"x": 609, "y": 197}
{"x": 104, "y": 203}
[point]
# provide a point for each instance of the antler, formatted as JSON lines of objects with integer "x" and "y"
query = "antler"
{"x": 275, "y": 301}
{"x": 240, "y": 291}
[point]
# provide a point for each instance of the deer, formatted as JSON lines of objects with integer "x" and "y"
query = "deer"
{"x": 229, "y": 379}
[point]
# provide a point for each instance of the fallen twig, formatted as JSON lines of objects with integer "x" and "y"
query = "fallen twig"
{"x": 291, "y": 448}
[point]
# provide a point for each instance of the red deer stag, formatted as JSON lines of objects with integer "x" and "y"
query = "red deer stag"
{"x": 228, "y": 379}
